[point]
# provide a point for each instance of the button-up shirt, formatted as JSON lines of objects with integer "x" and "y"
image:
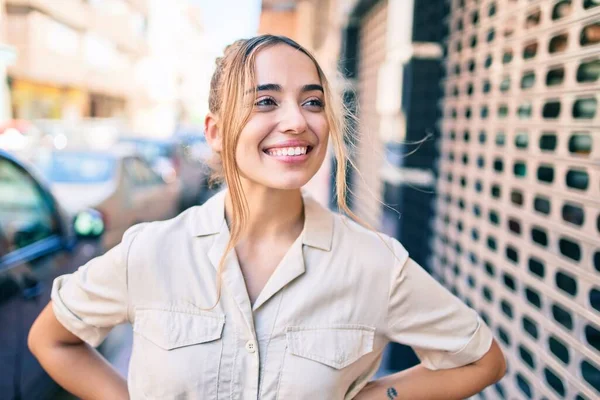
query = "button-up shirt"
{"x": 316, "y": 331}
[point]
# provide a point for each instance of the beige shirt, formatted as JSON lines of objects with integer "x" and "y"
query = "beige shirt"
{"x": 316, "y": 331}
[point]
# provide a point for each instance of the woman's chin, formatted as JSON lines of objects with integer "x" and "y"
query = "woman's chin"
{"x": 278, "y": 179}
{"x": 280, "y": 183}
{"x": 288, "y": 185}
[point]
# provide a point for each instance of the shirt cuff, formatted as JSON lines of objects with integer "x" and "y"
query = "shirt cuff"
{"x": 90, "y": 334}
{"x": 478, "y": 345}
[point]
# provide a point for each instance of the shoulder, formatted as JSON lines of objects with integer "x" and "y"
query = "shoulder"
{"x": 149, "y": 235}
{"x": 197, "y": 221}
{"x": 365, "y": 243}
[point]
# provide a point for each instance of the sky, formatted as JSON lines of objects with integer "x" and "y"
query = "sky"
{"x": 228, "y": 20}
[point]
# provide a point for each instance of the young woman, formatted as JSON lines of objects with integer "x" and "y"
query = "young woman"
{"x": 261, "y": 293}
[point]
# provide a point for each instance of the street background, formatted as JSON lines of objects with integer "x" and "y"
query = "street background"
{"x": 478, "y": 146}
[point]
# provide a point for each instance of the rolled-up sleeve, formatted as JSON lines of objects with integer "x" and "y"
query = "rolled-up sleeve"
{"x": 442, "y": 330}
{"x": 94, "y": 299}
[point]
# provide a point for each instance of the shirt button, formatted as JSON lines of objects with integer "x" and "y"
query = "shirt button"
{"x": 250, "y": 346}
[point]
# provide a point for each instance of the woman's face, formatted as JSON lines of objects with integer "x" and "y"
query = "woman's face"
{"x": 285, "y": 140}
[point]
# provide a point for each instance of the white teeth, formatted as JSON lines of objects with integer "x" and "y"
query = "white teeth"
{"x": 288, "y": 151}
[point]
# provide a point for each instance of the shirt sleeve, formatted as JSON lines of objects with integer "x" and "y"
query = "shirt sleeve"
{"x": 442, "y": 330}
{"x": 94, "y": 299}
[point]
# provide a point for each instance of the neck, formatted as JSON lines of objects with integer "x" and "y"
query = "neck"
{"x": 272, "y": 212}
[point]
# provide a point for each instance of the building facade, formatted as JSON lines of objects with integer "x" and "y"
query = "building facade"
{"x": 7, "y": 57}
{"x": 279, "y": 17}
{"x": 76, "y": 58}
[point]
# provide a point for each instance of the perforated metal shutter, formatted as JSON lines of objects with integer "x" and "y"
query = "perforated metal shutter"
{"x": 518, "y": 208}
{"x": 369, "y": 157}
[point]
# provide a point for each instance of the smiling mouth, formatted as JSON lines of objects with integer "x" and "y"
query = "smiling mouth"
{"x": 288, "y": 151}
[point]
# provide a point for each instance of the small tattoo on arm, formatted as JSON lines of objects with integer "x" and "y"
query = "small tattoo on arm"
{"x": 392, "y": 393}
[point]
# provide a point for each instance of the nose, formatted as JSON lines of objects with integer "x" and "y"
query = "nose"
{"x": 293, "y": 121}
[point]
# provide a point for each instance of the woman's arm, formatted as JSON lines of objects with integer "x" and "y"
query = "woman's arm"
{"x": 420, "y": 383}
{"x": 72, "y": 363}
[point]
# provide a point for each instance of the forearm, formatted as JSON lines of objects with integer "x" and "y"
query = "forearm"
{"x": 82, "y": 371}
{"x": 73, "y": 364}
{"x": 419, "y": 383}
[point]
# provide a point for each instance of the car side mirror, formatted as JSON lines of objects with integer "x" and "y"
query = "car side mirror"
{"x": 88, "y": 224}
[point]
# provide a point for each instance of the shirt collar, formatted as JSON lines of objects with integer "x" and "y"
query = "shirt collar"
{"x": 209, "y": 219}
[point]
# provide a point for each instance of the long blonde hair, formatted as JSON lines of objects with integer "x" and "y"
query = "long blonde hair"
{"x": 228, "y": 100}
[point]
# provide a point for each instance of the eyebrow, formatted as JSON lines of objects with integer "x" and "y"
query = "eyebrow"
{"x": 277, "y": 88}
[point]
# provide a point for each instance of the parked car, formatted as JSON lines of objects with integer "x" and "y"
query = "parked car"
{"x": 182, "y": 158}
{"x": 118, "y": 183}
{"x": 38, "y": 242}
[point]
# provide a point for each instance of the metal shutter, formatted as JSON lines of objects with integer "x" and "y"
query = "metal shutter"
{"x": 518, "y": 203}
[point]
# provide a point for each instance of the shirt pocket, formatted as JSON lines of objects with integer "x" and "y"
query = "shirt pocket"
{"x": 171, "y": 329}
{"x": 176, "y": 352}
{"x": 319, "y": 360}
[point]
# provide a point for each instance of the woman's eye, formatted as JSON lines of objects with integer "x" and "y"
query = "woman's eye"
{"x": 265, "y": 102}
{"x": 314, "y": 103}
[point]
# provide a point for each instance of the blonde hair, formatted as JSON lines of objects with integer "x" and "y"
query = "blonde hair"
{"x": 228, "y": 100}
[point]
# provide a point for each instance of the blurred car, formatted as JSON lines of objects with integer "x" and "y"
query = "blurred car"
{"x": 119, "y": 184}
{"x": 38, "y": 242}
{"x": 182, "y": 158}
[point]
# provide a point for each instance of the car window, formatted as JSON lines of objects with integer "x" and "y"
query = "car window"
{"x": 78, "y": 167}
{"x": 26, "y": 214}
{"x": 152, "y": 151}
{"x": 152, "y": 177}
{"x": 141, "y": 174}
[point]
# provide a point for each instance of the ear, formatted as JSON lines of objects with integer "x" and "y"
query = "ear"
{"x": 213, "y": 133}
